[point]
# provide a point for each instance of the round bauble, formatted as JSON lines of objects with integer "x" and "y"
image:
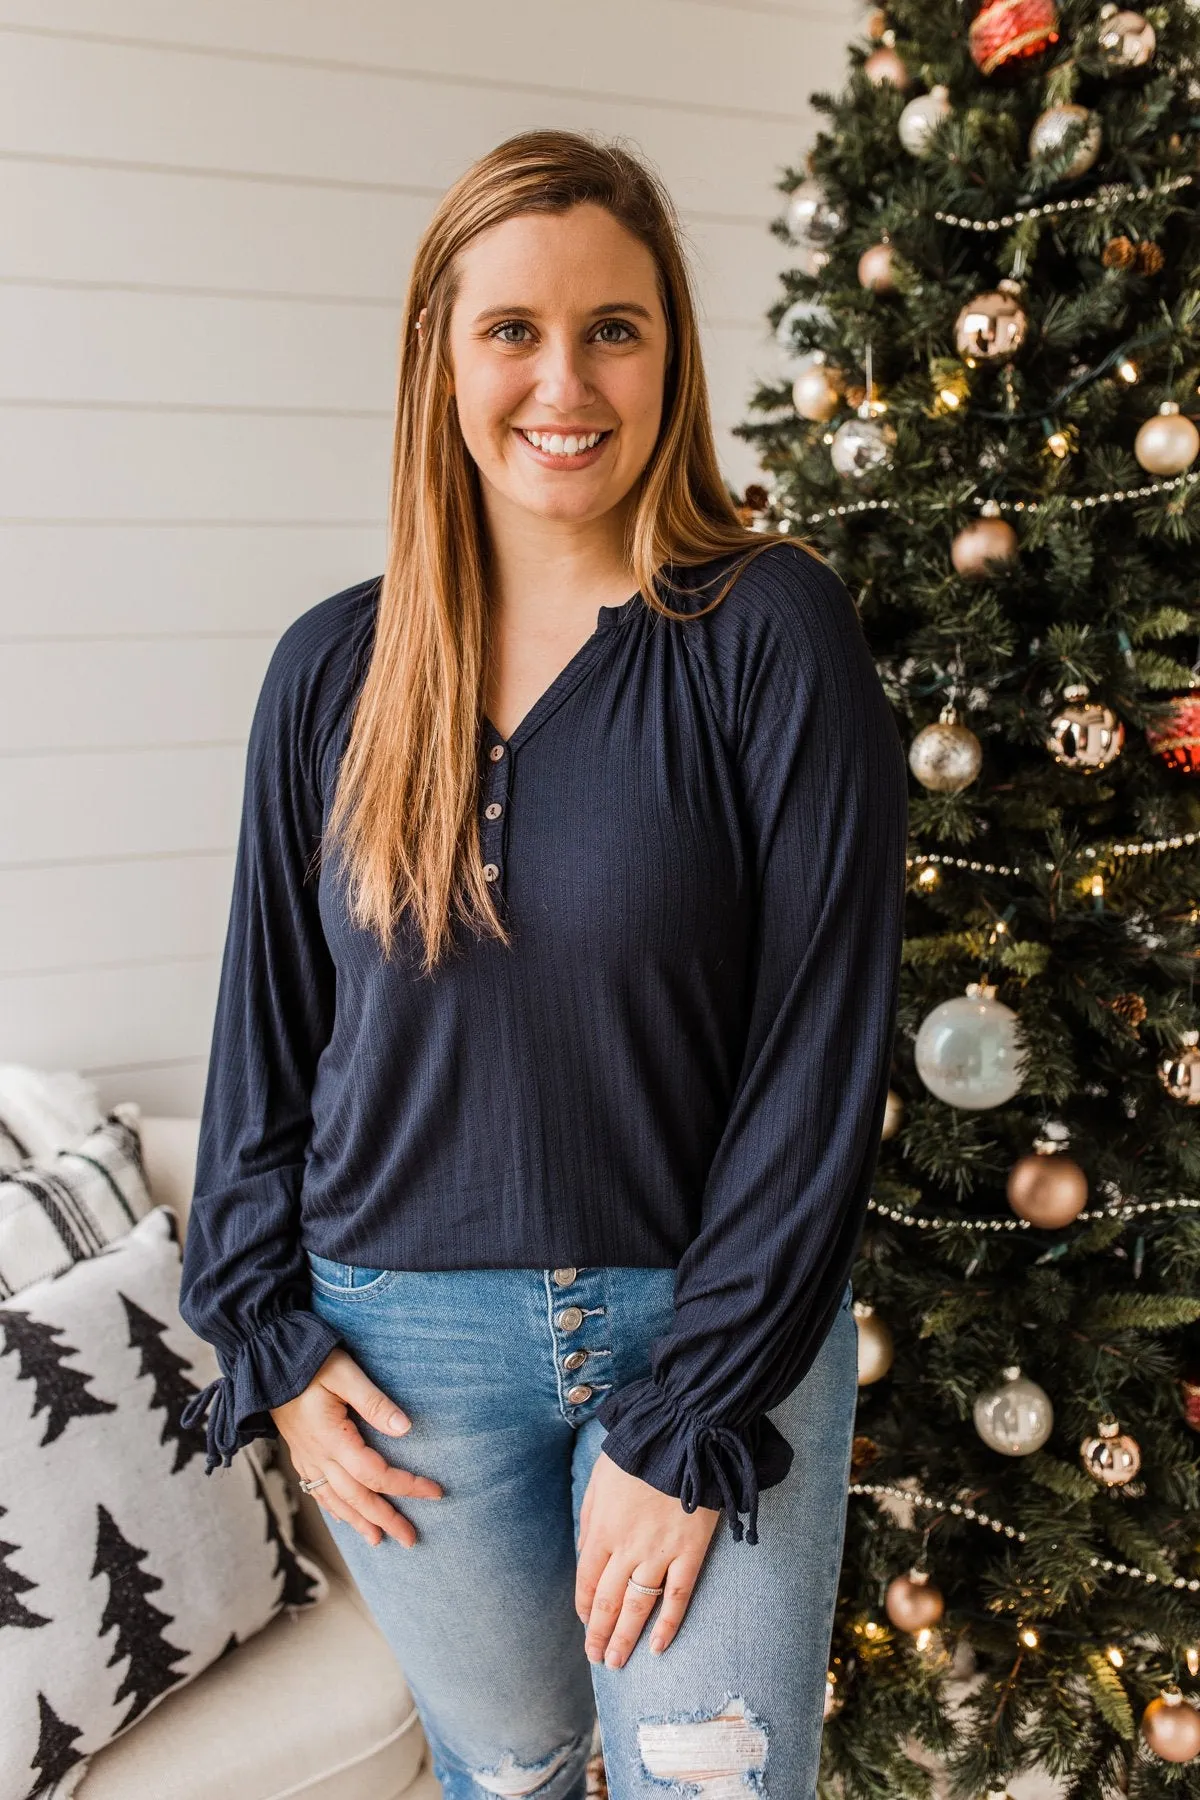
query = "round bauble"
{"x": 797, "y": 313}
{"x": 1126, "y": 39}
{"x": 1176, "y": 739}
{"x": 991, "y": 325}
{"x": 1111, "y": 1458}
{"x": 1056, "y": 125}
{"x": 1004, "y": 31}
{"x": 1171, "y": 1726}
{"x": 945, "y": 757}
{"x": 912, "y": 1602}
{"x": 1179, "y": 1071}
{"x": 1015, "y": 1418}
{"x": 984, "y": 546}
{"x": 1084, "y": 735}
{"x": 1048, "y": 1189}
{"x": 920, "y": 120}
{"x": 893, "y": 1114}
{"x": 875, "y": 1347}
{"x": 967, "y": 1050}
{"x": 816, "y": 390}
{"x": 811, "y": 217}
{"x": 1167, "y": 443}
{"x": 860, "y": 447}
{"x": 886, "y": 67}
{"x": 875, "y": 269}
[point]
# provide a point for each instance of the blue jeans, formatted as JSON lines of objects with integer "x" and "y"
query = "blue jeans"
{"x": 480, "y": 1612}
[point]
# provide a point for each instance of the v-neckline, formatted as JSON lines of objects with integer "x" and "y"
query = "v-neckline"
{"x": 552, "y": 696}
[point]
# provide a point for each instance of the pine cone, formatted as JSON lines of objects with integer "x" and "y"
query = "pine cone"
{"x": 1131, "y": 1008}
{"x": 1150, "y": 258}
{"x": 756, "y": 498}
{"x": 1119, "y": 253}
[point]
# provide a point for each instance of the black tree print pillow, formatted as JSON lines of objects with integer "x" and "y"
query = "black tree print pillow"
{"x": 124, "y": 1569}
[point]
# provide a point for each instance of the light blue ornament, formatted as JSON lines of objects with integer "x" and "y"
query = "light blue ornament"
{"x": 967, "y": 1051}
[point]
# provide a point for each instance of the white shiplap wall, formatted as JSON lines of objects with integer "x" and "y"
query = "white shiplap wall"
{"x": 206, "y": 218}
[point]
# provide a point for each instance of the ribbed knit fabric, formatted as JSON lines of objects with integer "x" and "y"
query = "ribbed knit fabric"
{"x": 682, "y": 1061}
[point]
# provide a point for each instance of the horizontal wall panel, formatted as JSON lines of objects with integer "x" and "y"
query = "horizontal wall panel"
{"x": 119, "y": 804}
{"x": 168, "y": 349}
{"x": 65, "y": 97}
{"x": 66, "y": 464}
{"x": 150, "y": 1013}
{"x": 111, "y": 580}
{"x": 667, "y": 51}
{"x": 163, "y": 1091}
{"x": 128, "y": 227}
{"x": 68, "y": 695}
{"x": 105, "y": 913}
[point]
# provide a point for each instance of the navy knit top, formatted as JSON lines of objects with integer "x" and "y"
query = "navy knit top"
{"x": 697, "y": 837}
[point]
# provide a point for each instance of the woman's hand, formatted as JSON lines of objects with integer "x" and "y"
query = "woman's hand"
{"x": 628, "y": 1528}
{"x": 324, "y": 1440}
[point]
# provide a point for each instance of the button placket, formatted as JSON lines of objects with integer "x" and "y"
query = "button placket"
{"x": 495, "y": 810}
{"x": 566, "y": 1322}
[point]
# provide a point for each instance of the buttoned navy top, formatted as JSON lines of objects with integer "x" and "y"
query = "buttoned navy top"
{"x": 697, "y": 839}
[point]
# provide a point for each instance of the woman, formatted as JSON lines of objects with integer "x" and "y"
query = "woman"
{"x": 539, "y": 1127}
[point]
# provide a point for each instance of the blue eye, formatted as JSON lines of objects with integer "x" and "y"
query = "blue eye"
{"x": 621, "y": 325}
{"x": 509, "y": 325}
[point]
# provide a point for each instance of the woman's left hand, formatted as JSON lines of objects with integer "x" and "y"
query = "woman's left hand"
{"x": 628, "y": 1528}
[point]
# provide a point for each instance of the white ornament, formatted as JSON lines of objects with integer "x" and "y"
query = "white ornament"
{"x": 1015, "y": 1418}
{"x": 921, "y": 117}
{"x": 967, "y": 1051}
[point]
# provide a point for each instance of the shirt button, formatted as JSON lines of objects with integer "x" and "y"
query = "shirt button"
{"x": 490, "y": 871}
{"x": 577, "y": 1395}
{"x": 569, "y": 1319}
{"x": 496, "y": 752}
{"x": 493, "y": 810}
{"x": 576, "y": 1359}
{"x": 564, "y": 1277}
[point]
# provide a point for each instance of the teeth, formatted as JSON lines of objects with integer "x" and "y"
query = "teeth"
{"x": 552, "y": 444}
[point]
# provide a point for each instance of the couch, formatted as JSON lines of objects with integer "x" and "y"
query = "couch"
{"x": 314, "y": 1706}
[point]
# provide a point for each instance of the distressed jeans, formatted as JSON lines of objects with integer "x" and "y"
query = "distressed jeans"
{"x": 480, "y": 1612}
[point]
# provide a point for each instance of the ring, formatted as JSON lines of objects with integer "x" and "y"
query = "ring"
{"x": 306, "y": 1487}
{"x": 639, "y": 1588}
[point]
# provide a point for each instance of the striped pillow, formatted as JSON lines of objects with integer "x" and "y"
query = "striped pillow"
{"x": 61, "y": 1209}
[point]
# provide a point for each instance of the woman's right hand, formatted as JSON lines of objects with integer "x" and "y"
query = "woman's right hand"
{"x": 324, "y": 1440}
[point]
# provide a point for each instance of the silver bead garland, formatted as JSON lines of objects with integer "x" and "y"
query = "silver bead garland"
{"x": 1190, "y": 1584}
{"x": 1120, "y": 1209}
{"x": 1109, "y": 195}
{"x": 1077, "y": 503}
{"x": 1145, "y": 847}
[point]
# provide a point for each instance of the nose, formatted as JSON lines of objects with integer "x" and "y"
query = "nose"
{"x": 562, "y": 382}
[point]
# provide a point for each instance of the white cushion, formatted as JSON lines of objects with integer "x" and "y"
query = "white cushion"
{"x": 127, "y": 1571}
{"x": 315, "y": 1705}
{"x": 56, "y": 1209}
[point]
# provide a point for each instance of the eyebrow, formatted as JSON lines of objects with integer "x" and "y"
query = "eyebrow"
{"x": 528, "y": 312}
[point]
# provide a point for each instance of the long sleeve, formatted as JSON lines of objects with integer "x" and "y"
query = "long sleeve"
{"x": 823, "y": 782}
{"x": 245, "y": 1286}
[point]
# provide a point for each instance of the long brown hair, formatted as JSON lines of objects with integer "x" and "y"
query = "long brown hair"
{"x": 405, "y": 811}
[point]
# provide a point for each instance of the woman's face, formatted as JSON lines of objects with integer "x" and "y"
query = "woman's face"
{"x": 558, "y": 337}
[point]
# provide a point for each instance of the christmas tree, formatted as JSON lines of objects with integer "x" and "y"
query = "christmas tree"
{"x": 988, "y": 427}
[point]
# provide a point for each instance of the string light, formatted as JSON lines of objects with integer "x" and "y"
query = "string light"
{"x": 1029, "y": 1637}
{"x": 1115, "y": 1657}
{"x": 1058, "y": 443}
{"x": 1127, "y": 370}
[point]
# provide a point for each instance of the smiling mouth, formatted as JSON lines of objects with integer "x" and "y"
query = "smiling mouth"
{"x": 564, "y": 446}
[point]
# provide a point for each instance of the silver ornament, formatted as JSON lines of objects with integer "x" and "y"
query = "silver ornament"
{"x": 1111, "y": 1457}
{"x": 1126, "y": 39}
{"x": 1179, "y": 1071}
{"x": 967, "y": 1052}
{"x": 920, "y": 119}
{"x": 812, "y": 218}
{"x": 992, "y": 324}
{"x": 798, "y": 312}
{"x": 861, "y": 446}
{"x": 1084, "y": 734}
{"x": 1052, "y": 129}
{"x": 1015, "y": 1418}
{"x": 945, "y": 757}
{"x": 1167, "y": 443}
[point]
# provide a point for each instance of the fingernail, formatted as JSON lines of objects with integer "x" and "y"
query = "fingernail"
{"x": 613, "y": 1662}
{"x": 656, "y": 1644}
{"x": 398, "y": 1423}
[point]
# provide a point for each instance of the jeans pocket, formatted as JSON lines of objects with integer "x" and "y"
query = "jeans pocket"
{"x": 349, "y": 1281}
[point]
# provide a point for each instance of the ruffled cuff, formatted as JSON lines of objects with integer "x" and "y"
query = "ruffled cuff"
{"x": 699, "y": 1461}
{"x": 268, "y": 1369}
